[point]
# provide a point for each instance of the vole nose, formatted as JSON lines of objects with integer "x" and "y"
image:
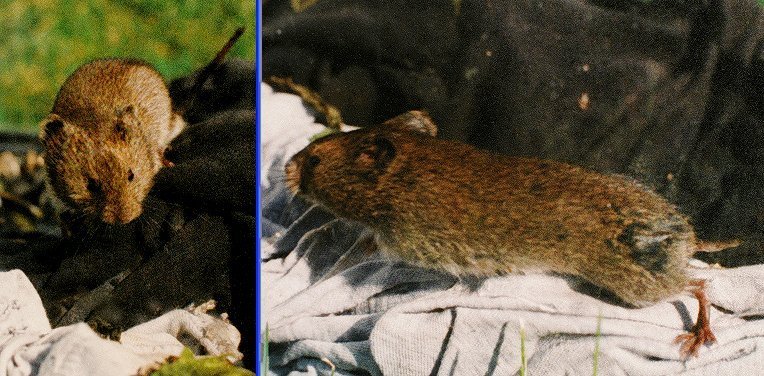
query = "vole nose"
{"x": 295, "y": 160}
{"x": 108, "y": 217}
{"x": 291, "y": 169}
{"x": 126, "y": 217}
{"x": 113, "y": 214}
{"x": 292, "y": 173}
{"x": 299, "y": 170}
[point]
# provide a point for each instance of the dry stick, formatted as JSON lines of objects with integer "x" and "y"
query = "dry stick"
{"x": 330, "y": 364}
{"x": 91, "y": 300}
{"x": 207, "y": 71}
{"x": 312, "y": 99}
{"x": 716, "y": 246}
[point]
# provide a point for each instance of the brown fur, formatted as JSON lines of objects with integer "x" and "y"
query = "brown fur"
{"x": 104, "y": 138}
{"x": 450, "y": 206}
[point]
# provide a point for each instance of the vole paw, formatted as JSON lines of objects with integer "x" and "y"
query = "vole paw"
{"x": 163, "y": 155}
{"x": 692, "y": 341}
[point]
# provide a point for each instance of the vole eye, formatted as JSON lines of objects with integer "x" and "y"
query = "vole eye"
{"x": 121, "y": 130}
{"x": 130, "y": 175}
{"x": 93, "y": 186}
{"x": 313, "y": 161}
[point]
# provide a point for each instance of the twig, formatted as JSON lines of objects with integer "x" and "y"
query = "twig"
{"x": 207, "y": 71}
{"x": 331, "y": 113}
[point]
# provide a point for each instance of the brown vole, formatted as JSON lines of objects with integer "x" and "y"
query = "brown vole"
{"x": 111, "y": 122}
{"x": 104, "y": 138}
{"x": 449, "y": 206}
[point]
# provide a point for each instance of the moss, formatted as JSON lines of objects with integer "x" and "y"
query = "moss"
{"x": 188, "y": 364}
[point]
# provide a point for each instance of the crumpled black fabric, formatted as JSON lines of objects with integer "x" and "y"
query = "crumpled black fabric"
{"x": 193, "y": 242}
{"x": 667, "y": 91}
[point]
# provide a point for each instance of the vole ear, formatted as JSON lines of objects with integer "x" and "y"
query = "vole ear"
{"x": 51, "y": 126}
{"x": 126, "y": 116}
{"x": 414, "y": 121}
{"x": 377, "y": 154}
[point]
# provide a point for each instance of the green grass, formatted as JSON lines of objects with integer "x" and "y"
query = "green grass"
{"x": 265, "y": 362}
{"x": 523, "y": 359}
{"x": 43, "y": 41}
{"x": 190, "y": 365}
{"x": 596, "y": 354}
{"x": 597, "y": 336}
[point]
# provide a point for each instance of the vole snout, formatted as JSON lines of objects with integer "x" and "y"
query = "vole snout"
{"x": 292, "y": 171}
{"x": 320, "y": 161}
{"x": 119, "y": 213}
{"x": 299, "y": 170}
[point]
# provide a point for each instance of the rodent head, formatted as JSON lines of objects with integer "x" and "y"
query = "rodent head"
{"x": 101, "y": 142}
{"x": 103, "y": 176}
{"x": 345, "y": 172}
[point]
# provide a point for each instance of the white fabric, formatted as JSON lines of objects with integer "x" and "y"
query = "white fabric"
{"x": 381, "y": 317}
{"x": 28, "y": 346}
{"x": 158, "y": 338}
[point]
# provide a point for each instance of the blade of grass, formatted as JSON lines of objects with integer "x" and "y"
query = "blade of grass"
{"x": 265, "y": 361}
{"x": 597, "y": 336}
{"x": 330, "y": 364}
{"x": 523, "y": 360}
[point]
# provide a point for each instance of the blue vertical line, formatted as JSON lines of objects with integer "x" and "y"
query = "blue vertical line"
{"x": 258, "y": 294}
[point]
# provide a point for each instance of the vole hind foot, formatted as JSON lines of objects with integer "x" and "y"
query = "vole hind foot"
{"x": 691, "y": 342}
{"x": 701, "y": 333}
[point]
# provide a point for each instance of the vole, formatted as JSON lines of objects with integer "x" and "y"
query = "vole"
{"x": 446, "y": 205}
{"x": 106, "y": 135}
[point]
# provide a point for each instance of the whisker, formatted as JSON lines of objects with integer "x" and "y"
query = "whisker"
{"x": 154, "y": 198}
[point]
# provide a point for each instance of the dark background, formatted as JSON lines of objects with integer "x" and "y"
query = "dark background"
{"x": 674, "y": 88}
